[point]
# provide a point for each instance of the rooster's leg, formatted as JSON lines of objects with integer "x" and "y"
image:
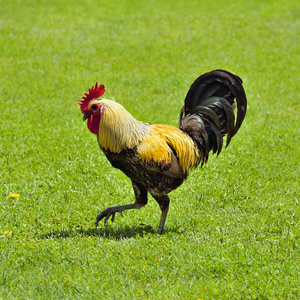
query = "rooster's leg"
{"x": 163, "y": 202}
{"x": 140, "y": 201}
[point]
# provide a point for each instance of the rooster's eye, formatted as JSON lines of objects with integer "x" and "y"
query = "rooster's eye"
{"x": 94, "y": 106}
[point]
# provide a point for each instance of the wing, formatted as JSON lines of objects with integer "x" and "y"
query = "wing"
{"x": 169, "y": 151}
{"x": 156, "y": 156}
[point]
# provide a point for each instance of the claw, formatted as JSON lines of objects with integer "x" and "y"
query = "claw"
{"x": 107, "y": 213}
{"x": 111, "y": 211}
{"x": 113, "y": 217}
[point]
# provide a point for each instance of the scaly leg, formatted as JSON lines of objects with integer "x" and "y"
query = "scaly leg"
{"x": 141, "y": 200}
{"x": 163, "y": 202}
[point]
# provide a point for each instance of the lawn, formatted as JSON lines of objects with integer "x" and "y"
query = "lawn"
{"x": 232, "y": 230}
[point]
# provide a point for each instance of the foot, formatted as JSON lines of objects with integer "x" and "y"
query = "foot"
{"x": 160, "y": 230}
{"x": 111, "y": 211}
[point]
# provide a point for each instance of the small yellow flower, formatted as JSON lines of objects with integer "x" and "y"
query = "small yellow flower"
{"x": 6, "y": 233}
{"x": 14, "y": 195}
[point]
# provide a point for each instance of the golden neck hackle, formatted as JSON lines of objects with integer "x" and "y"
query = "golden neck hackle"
{"x": 118, "y": 129}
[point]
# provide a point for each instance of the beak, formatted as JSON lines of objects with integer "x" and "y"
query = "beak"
{"x": 87, "y": 115}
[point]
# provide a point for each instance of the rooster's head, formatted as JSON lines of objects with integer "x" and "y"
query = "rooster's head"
{"x": 92, "y": 108}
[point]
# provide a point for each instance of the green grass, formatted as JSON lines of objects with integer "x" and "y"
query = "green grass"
{"x": 233, "y": 228}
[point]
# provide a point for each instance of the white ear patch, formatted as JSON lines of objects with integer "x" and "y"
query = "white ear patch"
{"x": 102, "y": 108}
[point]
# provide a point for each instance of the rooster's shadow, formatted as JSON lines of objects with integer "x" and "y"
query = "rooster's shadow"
{"x": 108, "y": 232}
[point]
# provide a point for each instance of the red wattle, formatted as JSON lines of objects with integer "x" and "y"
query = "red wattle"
{"x": 93, "y": 124}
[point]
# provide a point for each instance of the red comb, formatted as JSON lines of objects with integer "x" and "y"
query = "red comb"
{"x": 94, "y": 93}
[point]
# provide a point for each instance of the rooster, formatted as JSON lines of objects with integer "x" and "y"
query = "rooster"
{"x": 157, "y": 158}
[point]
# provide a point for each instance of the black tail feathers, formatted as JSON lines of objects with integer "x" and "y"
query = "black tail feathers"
{"x": 208, "y": 111}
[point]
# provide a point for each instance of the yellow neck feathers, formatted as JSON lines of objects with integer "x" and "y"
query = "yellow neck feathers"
{"x": 118, "y": 129}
